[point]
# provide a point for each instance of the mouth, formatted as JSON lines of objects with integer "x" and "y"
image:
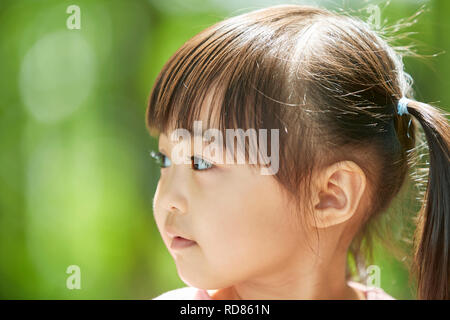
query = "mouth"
{"x": 181, "y": 243}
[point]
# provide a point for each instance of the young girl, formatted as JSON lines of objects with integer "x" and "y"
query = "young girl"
{"x": 336, "y": 94}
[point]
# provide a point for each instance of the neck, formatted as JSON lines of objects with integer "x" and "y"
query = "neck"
{"x": 322, "y": 281}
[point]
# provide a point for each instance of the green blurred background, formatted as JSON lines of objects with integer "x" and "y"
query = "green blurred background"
{"x": 76, "y": 179}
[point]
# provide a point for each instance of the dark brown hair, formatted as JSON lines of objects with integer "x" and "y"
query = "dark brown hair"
{"x": 331, "y": 85}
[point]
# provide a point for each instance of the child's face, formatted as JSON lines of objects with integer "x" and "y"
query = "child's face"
{"x": 239, "y": 219}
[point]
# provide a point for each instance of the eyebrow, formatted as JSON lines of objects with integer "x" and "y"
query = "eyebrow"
{"x": 162, "y": 150}
{"x": 192, "y": 133}
{"x": 204, "y": 142}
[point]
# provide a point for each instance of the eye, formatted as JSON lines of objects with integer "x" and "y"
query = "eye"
{"x": 200, "y": 164}
{"x": 161, "y": 159}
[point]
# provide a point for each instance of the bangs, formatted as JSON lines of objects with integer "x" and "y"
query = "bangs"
{"x": 229, "y": 76}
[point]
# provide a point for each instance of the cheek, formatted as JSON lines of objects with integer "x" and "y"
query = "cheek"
{"x": 246, "y": 227}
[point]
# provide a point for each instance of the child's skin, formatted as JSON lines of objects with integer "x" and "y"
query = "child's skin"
{"x": 247, "y": 242}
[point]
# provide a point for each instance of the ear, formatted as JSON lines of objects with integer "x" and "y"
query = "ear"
{"x": 339, "y": 191}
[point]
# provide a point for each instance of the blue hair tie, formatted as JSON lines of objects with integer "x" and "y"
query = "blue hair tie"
{"x": 402, "y": 106}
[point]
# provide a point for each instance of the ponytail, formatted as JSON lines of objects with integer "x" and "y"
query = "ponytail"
{"x": 432, "y": 239}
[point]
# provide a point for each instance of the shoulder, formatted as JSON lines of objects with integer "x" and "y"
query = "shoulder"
{"x": 371, "y": 293}
{"x": 185, "y": 293}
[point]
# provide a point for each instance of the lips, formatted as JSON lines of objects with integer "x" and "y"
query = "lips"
{"x": 178, "y": 240}
{"x": 180, "y": 243}
{"x": 173, "y": 234}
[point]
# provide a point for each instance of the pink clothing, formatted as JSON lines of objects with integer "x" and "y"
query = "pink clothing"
{"x": 371, "y": 293}
{"x": 190, "y": 293}
{"x": 185, "y": 293}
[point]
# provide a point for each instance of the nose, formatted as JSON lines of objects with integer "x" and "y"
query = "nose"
{"x": 171, "y": 193}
